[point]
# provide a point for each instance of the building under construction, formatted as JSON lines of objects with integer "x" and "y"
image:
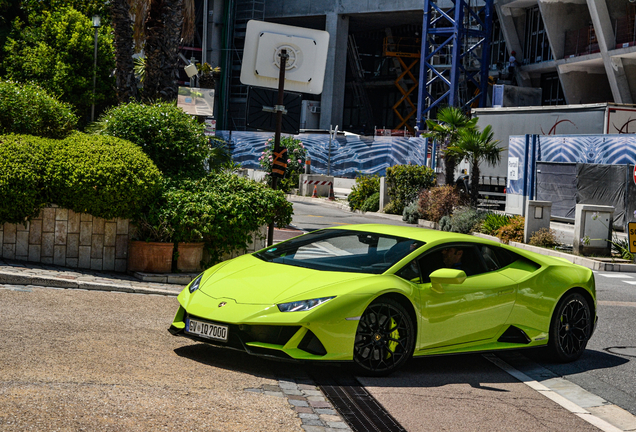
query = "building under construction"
{"x": 391, "y": 64}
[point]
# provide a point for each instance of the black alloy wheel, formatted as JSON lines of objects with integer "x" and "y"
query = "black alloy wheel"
{"x": 385, "y": 338}
{"x": 570, "y": 328}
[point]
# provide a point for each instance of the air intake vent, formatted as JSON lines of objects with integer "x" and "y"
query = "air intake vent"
{"x": 514, "y": 335}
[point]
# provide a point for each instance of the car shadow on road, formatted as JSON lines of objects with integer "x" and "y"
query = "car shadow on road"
{"x": 590, "y": 360}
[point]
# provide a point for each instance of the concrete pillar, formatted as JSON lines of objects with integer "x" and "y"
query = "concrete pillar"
{"x": 215, "y": 27}
{"x": 332, "y": 100}
{"x": 613, "y": 66}
{"x": 509, "y": 29}
{"x": 593, "y": 229}
{"x": 384, "y": 193}
{"x": 537, "y": 217}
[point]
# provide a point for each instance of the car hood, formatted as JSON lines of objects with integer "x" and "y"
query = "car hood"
{"x": 249, "y": 280}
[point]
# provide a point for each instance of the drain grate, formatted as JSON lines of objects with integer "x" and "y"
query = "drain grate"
{"x": 358, "y": 408}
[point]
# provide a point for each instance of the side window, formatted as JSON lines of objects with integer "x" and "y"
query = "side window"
{"x": 461, "y": 257}
{"x": 490, "y": 258}
{"x": 410, "y": 272}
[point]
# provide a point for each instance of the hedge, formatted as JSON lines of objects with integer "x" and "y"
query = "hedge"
{"x": 173, "y": 139}
{"x": 103, "y": 176}
{"x": 23, "y": 161}
{"x": 405, "y": 183}
{"x": 29, "y": 109}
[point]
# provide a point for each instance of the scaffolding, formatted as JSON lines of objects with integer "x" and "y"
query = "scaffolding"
{"x": 404, "y": 50}
{"x": 455, "y": 52}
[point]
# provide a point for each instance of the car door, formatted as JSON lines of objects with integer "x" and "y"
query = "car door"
{"x": 475, "y": 310}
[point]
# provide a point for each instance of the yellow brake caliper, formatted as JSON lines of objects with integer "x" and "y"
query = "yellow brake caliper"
{"x": 395, "y": 334}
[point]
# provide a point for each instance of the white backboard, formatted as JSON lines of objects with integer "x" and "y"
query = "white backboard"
{"x": 307, "y": 50}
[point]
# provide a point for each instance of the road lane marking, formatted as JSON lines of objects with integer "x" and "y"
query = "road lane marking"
{"x": 554, "y": 396}
{"x": 617, "y": 303}
{"x": 615, "y": 276}
{"x": 313, "y": 216}
{"x": 630, "y": 282}
{"x": 341, "y": 223}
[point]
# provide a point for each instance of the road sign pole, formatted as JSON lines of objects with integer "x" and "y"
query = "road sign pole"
{"x": 279, "y": 125}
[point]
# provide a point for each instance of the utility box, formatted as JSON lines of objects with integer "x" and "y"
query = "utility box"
{"x": 593, "y": 230}
{"x": 537, "y": 217}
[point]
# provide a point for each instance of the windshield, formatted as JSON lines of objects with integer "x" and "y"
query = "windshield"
{"x": 341, "y": 250}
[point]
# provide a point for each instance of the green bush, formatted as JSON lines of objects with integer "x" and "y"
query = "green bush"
{"x": 365, "y": 187}
{"x": 174, "y": 140}
{"x": 295, "y": 160}
{"x": 29, "y": 109}
{"x": 23, "y": 161}
{"x": 437, "y": 202}
{"x": 512, "y": 231}
{"x": 445, "y": 223}
{"x": 405, "y": 183}
{"x": 222, "y": 210}
{"x": 372, "y": 204}
{"x": 411, "y": 213}
{"x": 544, "y": 238}
{"x": 464, "y": 220}
{"x": 104, "y": 176}
{"x": 493, "y": 222}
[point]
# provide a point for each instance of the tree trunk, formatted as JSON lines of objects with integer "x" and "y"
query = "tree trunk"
{"x": 449, "y": 170}
{"x": 123, "y": 41}
{"x": 163, "y": 32}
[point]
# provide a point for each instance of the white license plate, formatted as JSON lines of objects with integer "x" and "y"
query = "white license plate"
{"x": 207, "y": 330}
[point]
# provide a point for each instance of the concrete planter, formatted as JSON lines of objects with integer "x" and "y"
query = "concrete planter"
{"x": 150, "y": 257}
{"x": 189, "y": 256}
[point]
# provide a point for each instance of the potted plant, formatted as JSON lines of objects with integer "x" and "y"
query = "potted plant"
{"x": 151, "y": 248}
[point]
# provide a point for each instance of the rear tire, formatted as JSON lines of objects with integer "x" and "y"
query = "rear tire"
{"x": 385, "y": 338}
{"x": 570, "y": 328}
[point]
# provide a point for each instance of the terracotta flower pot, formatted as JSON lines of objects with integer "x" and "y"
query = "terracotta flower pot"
{"x": 150, "y": 257}
{"x": 190, "y": 256}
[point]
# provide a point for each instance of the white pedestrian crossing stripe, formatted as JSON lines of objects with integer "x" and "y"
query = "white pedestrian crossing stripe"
{"x": 615, "y": 275}
{"x": 630, "y": 282}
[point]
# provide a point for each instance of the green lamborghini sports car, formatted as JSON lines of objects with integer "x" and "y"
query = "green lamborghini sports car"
{"x": 378, "y": 295}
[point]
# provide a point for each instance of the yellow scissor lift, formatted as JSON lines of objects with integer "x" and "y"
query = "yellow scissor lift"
{"x": 405, "y": 50}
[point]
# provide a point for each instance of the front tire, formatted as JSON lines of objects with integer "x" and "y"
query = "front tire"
{"x": 385, "y": 338}
{"x": 570, "y": 328}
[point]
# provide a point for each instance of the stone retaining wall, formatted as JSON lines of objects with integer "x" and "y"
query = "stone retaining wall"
{"x": 62, "y": 237}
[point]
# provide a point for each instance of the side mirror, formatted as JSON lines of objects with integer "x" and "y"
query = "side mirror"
{"x": 446, "y": 276}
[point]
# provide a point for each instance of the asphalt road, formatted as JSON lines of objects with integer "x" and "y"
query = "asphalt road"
{"x": 608, "y": 367}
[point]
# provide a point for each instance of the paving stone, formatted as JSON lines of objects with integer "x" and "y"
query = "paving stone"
{"x": 273, "y": 393}
{"x": 301, "y": 409}
{"x": 315, "y": 398}
{"x": 312, "y": 392}
{"x": 296, "y": 397}
{"x": 287, "y": 384}
{"x": 320, "y": 404}
{"x": 292, "y": 392}
{"x": 312, "y": 422}
{"x": 306, "y": 387}
{"x": 337, "y": 425}
{"x": 300, "y": 403}
{"x": 330, "y": 418}
{"x": 308, "y": 416}
{"x": 310, "y": 428}
{"x": 328, "y": 411}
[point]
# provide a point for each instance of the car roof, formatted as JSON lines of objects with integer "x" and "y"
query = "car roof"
{"x": 416, "y": 233}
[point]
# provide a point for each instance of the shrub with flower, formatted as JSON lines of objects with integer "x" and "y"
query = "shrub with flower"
{"x": 295, "y": 159}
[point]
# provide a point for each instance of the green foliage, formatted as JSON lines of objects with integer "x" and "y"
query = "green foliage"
{"x": 436, "y": 202}
{"x": 29, "y": 109}
{"x": 174, "y": 140}
{"x": 296, "y": 155}
{"x": 406, "y": 181}
{"x": 493, "y": 222}
{"x": 544, "y": 237}
{"x": 465, "y": 219}
{"x": 56, "y": 50}
{"x": 392, "y": 208}
{"x": 621, "y": 248}
{"x": 372, "y": 204}
{"x": 221, "y": 209}
{"x": 445, "y": 223}
{"x": 411, "y": 213}
{"x": 23, "y": 161}
{"x": 512, "y": 231}
{"x": 365, "y": 187}
{"x": 103, "y": 176}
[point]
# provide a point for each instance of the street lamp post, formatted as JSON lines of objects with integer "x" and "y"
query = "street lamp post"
{"x": 96, "y": 23}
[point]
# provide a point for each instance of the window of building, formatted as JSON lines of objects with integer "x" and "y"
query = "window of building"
{"x": 536, "y": 47}
{"x": 552, "y": 90}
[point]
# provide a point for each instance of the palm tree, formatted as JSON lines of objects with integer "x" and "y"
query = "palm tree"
{"x": 123, "y": 42}
{"x": 445, "y": 131}
{"x": 476, "y": 147}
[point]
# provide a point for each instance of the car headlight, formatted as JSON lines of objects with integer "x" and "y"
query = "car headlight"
{"x": 302, "y": 305}
{"x": 195, "y": 284}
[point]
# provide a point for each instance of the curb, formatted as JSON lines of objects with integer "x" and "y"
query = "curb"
{"x": 56, "y": 282}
